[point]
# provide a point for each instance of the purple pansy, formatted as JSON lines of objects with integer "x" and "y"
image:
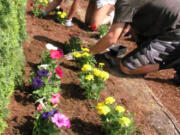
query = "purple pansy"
{"x": 46, "y": 115}
{"x": 37, "y": 82}
{"x": 42, "y": 72}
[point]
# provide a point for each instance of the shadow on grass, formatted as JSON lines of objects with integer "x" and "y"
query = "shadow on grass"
{"x": 72, "y": 91}
{"x": 48, "y": 40}
{"x": 85, "y": 128}
{"x": 26, "y": 127}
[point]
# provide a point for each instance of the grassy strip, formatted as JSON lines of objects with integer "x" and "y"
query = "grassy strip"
{"x": 12, "y": 34}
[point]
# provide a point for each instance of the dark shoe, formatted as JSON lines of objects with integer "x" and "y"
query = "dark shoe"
{"x": 117, "y": 51}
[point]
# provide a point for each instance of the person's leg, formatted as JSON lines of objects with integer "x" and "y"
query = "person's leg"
{"x": 73, "y": 9}
{"x": 51, "y": 6}
{"x": 151, "y": 56}
{"x": 101, "y": 15}
{"x": 90, "y": 11}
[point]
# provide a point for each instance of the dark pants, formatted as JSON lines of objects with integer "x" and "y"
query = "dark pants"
{"x": 165, "y": 53}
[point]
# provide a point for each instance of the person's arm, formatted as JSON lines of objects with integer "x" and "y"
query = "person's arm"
{"x": 108, "y": 40}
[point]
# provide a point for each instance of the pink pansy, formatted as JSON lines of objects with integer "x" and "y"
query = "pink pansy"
{"x": 55, "y": 98}
{"x": 56, "y": 54}
{"x": 61, "y": 120}
{"x": 59, "y": 72}
{"x": 39, "y": 107}
{"x": 49, "y": 75}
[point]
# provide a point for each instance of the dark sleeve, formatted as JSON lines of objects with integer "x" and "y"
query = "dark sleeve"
{"x": 123, "y": 12}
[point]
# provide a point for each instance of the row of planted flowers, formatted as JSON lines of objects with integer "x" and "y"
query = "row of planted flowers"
{"x": 47, "y": 80}
{"x": 115, "y": 119}
{"x": 46, "y": 83}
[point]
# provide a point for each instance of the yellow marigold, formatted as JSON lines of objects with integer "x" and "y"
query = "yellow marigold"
{"x": 62, "y": 16}
{"x": 89, "y": 77}
{"x": 104, "y": 110}
{"x": 109, "y": 100}
{"x": 96, "y": 72}
{"x": 120, "y": 109}
{"x": 85, "y": 54}
{"x": 40, "y": 1}
{"x": 46, "y": 2}
{"x": 99, "y": 105}
{"x": 125, "y": 121}
{"x": 64, "y": 13}
{"x": 76, "y": 55}
{"x": 101, "y": 65}
{"x": 86, "y": 67}
{"x": 84, "y": 49}
{"x": 104, "y": 75}
{"x": 59, "y": 12}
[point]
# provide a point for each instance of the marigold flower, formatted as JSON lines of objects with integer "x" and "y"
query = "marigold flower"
{"x": 109, "y": 100}
{"x": 40, "y": 1}
{"x": 104, "y": 110}
{"x": 59, "y": 12}
{"x": 120, "y": 109}
{"x": 96, "y": 72}
{"x": 89, "y": 77}
{"x": 76, "y": 55}
{"x": 99, "y": 105}
{"x": 46, "y": 2}
{"x": 104, "y": 75}
{"x": 62, "y": 16}
{"x": 101, "y": 65}
{"x": 86, "y": 67}
{"x": 64, "y": 13}
{"x": 85, "y": 54}
{"x": 85, "y": 49}
{"x": 125, "y": 121}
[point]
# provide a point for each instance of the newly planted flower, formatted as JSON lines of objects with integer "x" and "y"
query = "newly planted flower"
{"x": 38, "y": 6}
{"x": 50, "y": 123}
{"x": 93, "y": 81}
{"x": 61, "y": 17}
{"x": 84, "y": 57}
{"x": 114, "y": 118}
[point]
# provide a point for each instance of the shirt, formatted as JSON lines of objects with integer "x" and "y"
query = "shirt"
{"x": 151, "y": 18}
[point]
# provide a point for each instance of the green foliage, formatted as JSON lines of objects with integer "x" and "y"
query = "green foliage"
{"x": 103, "y": 29}
{"x": 12, "y": 34}
{"x": 73, "y": 45}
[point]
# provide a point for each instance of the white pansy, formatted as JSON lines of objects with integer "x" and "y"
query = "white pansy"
{"x": 44, "y": 66}
{"x": 51, "y": 46}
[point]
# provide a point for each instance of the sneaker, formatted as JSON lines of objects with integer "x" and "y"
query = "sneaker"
{"x": 69, "y": 23}
{"x": 44, "y": 13}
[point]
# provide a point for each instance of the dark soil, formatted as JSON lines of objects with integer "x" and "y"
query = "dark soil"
{"x": 84, "y": 118}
